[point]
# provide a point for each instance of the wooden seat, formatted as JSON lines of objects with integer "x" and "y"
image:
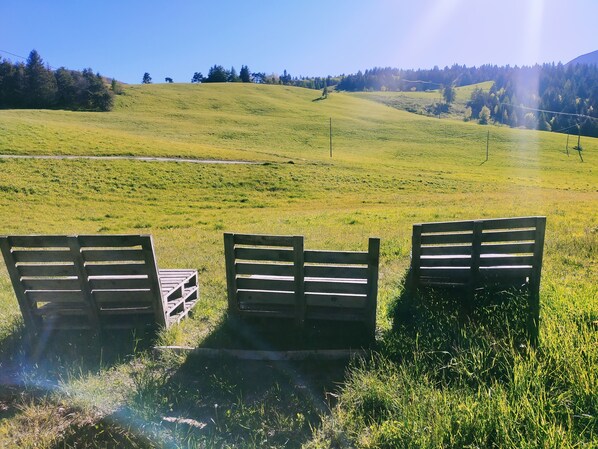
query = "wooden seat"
{"x": 478, "y": 253}
{"x": 95, "y": 282}
{"x": 273, "y": 276}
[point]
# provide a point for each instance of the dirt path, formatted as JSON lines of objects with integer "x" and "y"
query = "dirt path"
{"x": 128, "y": 158}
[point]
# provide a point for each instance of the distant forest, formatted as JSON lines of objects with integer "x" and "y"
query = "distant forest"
{"x": 36, "y": 86}
{"x": 550, "y": 97}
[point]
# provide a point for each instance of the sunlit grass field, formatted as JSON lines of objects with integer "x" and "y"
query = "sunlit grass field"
{"x": 389, "y": 169}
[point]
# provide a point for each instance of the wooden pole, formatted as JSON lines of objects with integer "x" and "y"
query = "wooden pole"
{"x": 487, "y": 144}
{"x": 567, "y": 144}
{"x": 330, "y": 136}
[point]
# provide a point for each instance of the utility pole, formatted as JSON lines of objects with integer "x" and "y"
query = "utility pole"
{"x": 487, "y": 144}
{"x": 567, "y": 144}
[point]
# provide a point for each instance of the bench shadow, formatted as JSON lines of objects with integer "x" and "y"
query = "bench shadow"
{"x": 227, "y": 401}
{"x": 267, "y": 334}
{"x": 446, "y": 326}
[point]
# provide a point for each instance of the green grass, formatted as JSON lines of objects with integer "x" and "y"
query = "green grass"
{"x": 421, "y": 102}
{"x": 390, "y": 169}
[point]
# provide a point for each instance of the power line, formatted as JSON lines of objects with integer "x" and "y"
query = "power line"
{"x": 587, "y": 117}
{"x": 12, "y": 54}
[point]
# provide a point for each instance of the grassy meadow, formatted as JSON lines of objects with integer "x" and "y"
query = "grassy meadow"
{"x": 389, "y": 169}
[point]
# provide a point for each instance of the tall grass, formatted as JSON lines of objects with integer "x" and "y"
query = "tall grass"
{"x": 438, "y": 384}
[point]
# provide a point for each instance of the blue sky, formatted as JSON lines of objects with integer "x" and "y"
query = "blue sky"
{"x": 175, "y": 38}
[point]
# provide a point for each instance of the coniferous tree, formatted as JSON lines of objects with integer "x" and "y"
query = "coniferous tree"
{"x": 41, "y": 84}
{"x": 147, "y": 79}
{"x": 244, "y": 74}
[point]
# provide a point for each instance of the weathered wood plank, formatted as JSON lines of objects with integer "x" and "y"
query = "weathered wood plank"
{"x": 114, "y": 269}
{"x": 356, "y": 288}
{"x": 506, "y": 261}
{"x": 446, "y": 226}
{"x": 445, "y": 261}
{"x": 231, "y": 275}
{"x": 336, "y": 257}
{"x": 255, "y": 283}
{"x": 111, "y": 283}
{"x": 264, "y": 240}
{"x": 112, "y": 255}
{"x": 55, "y": 296}
{"x": 47, "y": 270}
{"x": 24, "y": 256}
{"x": 448, "y": 273}
{"x": 508, "y": 248}
{"x": 509, "y": 236}
{"x": 339, "y": 272}
{"x": 453, "y": 250}
{"x": 336, "y": 314}
{"x": 280, "y": 255}
{"x": 123, "y": 296}
{"x": 505, "y": 273}
{"x": 111, "y": 241}
{"x": 50, "y": 284}
{"x": 443, "y": 239}
{"x": 265, "y": 269}
{"x": 336, "y": 300}
{"x": 38, "y": 241}
{"x": 510, "y": 223}
{"x": 266, "y": 297}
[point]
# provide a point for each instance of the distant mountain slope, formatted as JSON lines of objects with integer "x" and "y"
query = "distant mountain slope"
{"x": 589, "y": 58}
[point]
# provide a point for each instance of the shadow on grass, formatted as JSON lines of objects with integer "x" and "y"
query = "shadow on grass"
{"x": 196, "y": 401}
{"x": 455, "y": 338}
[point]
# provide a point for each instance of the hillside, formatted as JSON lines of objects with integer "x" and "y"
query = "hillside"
{"x": 589, "y": 58}
{"x": 389, "y": 170}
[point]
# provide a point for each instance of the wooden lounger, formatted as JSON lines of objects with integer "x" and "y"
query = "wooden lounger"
{"x": 95, "y": 282}
{"x": 273, "y": 276}
{"x": 474, "y": 254}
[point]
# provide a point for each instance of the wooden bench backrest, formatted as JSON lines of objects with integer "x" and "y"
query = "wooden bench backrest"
{"x": 506, "y": 250}
{"x": 76, "y": 282}
{"x": 275, "y": 276}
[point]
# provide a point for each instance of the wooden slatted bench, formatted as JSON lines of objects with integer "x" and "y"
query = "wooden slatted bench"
{"x": 478, "y": 253}
{"x": 95, "y": 282}
{"x": 274, "y": 276}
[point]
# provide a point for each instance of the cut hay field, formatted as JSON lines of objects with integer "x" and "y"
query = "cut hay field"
{"x": 389, "y": 169}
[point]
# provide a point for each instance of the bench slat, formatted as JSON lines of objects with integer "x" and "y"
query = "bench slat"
{"x": 112, "y": 255}
{"x": 340, "y": 272}
{"x": 47, "y": 270}
{"x": 280, "y": 255}
{"x": 357, "y": 288}
{"x": 336, "y": 301}
{"x": 442, "y": 239}
{"x": 265, "y": 297}
{"x": 285, "y": 285}
{"x": 112, "y": 241}
{"x": 116, "y": 269}
{"x": 508, "y": 248}
{"x": 445, "y": 262}
{"x": 267, "y": 269}
{"x": 55, "y": 296}
{"x": 336, "y": 257}
{"x": 38, "y": 241}
{"x": 510, "y": 223}
{"x": 506, "y": 261}
{"x": 41, "y": 256}
{"x": 454, "y": 250}
{"x": 119, "y": 284}
{"x": 50, "y": 284}
{"x": 447, "y": 226}
{"x": 265, "y": 240}
{"x": 509, "y": 236}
